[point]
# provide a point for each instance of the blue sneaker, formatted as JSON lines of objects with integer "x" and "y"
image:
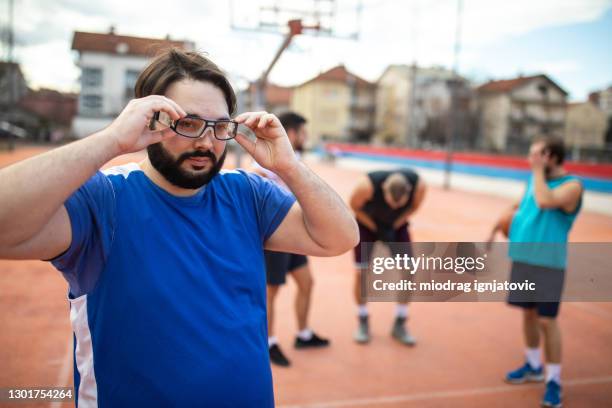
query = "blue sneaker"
{"x": 524, "y": 374}
{"x": 552, "y": 397}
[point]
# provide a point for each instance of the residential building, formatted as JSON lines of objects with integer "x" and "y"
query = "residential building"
{"x": 413, "y": 105}
{"x": 41, "y": 115}
{"x": 585, "y": 125}
{"x": 338, "y": 105}
{"x": 514, "y": 111}
{"x": 55, "y": 111}
{"x": 13, "y": 120}
{"x": 603, "y": 99}
{"x": 13, "y": 85}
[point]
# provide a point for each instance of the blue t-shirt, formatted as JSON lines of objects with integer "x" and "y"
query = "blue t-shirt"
{"x": 538, "y": 236}
{"x": 167, "y": 293}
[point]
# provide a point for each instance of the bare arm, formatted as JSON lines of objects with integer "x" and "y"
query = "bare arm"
{"x": 35, "y": 189}
{"x": 33, "y": 220}
{"x": 320, "y": 222}
{"x": 361, "y": 195}
{"x": 565, "y": 197}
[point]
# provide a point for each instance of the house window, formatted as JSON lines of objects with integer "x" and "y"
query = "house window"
{"x": 91, "y": 77}
{"x": 130, "y": 81}
{"x": 91, "y": 104}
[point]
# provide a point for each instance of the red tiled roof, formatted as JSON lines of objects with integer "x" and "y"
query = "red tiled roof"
{"x": 110, "y": 43}
{"x": 507, "y": 85}
{"x": 276, "y": 94}
{"x": 339, "y": 74}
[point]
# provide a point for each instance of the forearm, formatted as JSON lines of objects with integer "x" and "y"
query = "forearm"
{"x": 416, "y": 204}
{"x": 34, "y": 189}
{"x": 365, "y": 220}
{"x": 402, "y": 219}
{"x": 326, "y": 217}
{"x": 543, "y": 194}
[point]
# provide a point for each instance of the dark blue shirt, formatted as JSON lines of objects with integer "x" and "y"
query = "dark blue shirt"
{"x": 168, "y": 294}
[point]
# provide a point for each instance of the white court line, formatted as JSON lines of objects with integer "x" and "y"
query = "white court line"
{"x": 63, "y": 378}
{"x": 443, "y": 394}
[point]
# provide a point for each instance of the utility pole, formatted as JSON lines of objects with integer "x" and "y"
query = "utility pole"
{"x": 11, "y": 72}
{"x": 454, "y": 88}
{"x": 411, "y": 130}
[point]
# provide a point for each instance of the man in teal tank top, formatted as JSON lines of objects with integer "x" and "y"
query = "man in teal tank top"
{"x": 538, "y": 238}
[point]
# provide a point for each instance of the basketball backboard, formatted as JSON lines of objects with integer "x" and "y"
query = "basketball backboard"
{"x": 330, "y": 18}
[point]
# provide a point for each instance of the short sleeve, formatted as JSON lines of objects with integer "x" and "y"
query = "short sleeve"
{"x": 91, "y": 210}
{"x": 272, "y": 203}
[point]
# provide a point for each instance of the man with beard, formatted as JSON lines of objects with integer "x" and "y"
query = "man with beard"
{"x": 538, "y": 237}
{"x": 279, "y": 264}
{"x": 164, "y": 258}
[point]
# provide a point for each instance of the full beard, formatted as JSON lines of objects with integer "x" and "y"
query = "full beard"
{"x": 171, "y": 169}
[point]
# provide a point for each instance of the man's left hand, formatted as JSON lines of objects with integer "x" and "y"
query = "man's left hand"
{"x": 271, "y": 148}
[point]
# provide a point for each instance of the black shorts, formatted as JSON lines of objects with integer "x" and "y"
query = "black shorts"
{"x": 278, "y": 264}
{"x": 546, "y": 297}
{"x": 366, "y": 236}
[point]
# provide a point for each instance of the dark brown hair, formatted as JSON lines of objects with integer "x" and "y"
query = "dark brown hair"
{"x": 173, "y": 65}
{"x": 554, "y": 146}
{"x": 291, "y": 120}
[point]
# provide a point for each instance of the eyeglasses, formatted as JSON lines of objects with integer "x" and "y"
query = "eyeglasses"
{"x": 193, "y": 126}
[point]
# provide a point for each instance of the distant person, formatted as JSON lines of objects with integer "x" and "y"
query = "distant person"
{"x": 279, "y": 264}
{"x": 383, "y": 202}
{"x": 538, "y": 236}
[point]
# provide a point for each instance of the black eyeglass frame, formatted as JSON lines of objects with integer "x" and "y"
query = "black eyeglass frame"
{"x": 207, "y": 123}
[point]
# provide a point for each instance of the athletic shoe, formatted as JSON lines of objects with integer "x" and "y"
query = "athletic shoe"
{"x": 362, "y": 335}
{"x": 400, "y": 332}
{"x": 277, "y": 357}
{"x": 524, "y": 374}
{"x": 313, "y": 342}
{"x": 552, "y": 397}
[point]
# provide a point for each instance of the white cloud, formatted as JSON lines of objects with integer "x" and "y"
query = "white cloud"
{"x": 47, "y": 66}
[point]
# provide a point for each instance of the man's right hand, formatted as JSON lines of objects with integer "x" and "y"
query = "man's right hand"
{"x": 131, "y": 128}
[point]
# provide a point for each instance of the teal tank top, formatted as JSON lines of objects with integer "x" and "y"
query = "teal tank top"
{"x": 539, "y": 236}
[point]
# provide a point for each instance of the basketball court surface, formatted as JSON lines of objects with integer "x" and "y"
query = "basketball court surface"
{"x": 463, "y": 350}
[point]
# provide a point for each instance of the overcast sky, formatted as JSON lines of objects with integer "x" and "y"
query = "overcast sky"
{"x": 567, "y": 39}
